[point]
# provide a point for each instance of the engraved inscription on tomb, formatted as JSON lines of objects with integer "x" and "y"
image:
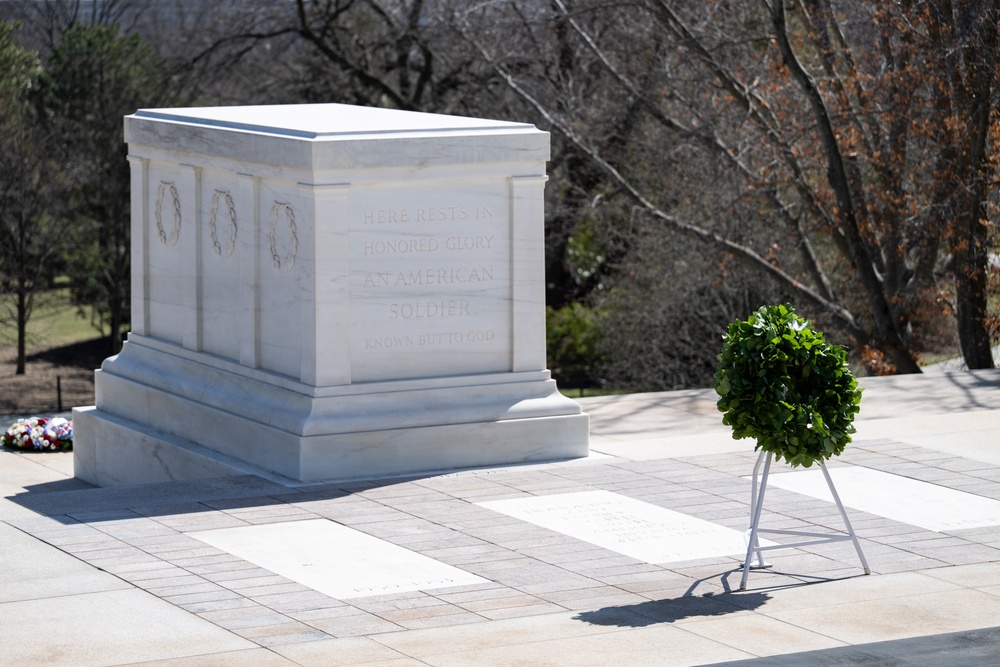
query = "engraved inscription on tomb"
{"x": 392, "y": 216}
{"x": 427, "y": 244}
{"x": 430, "y": 273}
{"x": 430, "y": 276}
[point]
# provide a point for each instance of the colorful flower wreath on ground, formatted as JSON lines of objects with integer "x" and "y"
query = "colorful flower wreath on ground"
{"x": 40, "y": 434}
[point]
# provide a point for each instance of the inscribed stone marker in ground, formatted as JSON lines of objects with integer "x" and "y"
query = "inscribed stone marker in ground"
{"x": 895, "y": 497}
{"x": 335, "y": 560}
{"x": 643, "y": 531}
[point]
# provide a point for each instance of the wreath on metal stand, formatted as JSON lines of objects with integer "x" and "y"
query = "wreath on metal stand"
{"x": 781, "y": 383}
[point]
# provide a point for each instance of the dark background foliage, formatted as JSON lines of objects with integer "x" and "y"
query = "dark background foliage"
{"x": 707, "y": 157}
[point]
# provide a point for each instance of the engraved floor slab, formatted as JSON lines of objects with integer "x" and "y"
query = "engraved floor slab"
{"x": 336, "y": 560}
{"x": 643, "y": 531}
{"x": 911, "y": 501}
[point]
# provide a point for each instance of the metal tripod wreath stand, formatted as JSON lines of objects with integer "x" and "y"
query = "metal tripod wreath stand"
{"x": 756, "y": 508}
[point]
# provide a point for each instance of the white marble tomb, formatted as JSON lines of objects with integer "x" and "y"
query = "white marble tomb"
{"x": 326, "y": 292}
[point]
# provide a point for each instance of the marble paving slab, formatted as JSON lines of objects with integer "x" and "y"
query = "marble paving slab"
{"x": 335, "y": 560}
{"x": 895, "y": 497}
{"x": 631, "y": 527}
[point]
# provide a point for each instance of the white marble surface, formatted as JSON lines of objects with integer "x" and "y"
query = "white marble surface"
{"x": 425, "y": 259}
{"x": 641, "y": 530}
{"x": 332, "y": 137}
{"x": 169, "y": 408}
{"x": 895, "y": 497}
{"x": 110, "y": 451}
{"x": 336, "y": 560}
{"x": 318, "y": 120}
{"x": 430, "y": 280}
{"x": 286, "y": 255}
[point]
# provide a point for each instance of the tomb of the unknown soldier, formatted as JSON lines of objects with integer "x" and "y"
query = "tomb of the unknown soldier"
{"x": 329, "y": 292}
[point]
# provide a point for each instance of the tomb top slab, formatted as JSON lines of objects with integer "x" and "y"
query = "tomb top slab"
{"x": 335, "y": 136}
{"x": 313, "y": 121}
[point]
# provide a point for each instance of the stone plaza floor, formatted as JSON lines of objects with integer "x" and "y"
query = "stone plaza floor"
{"x": 629, "y": 557}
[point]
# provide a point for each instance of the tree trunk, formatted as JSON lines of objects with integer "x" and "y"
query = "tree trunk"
{"x": 972, "y": 253}
{"x": 22, "y": 331}
{"x": 976, "y": 90}
{"x": 970, "y": 279}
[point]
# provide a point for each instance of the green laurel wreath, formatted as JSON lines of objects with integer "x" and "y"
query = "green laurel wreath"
{"x": 780, "y": 382}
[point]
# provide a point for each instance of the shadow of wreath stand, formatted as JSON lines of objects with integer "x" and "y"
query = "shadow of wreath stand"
{"x": 780, "y": 382}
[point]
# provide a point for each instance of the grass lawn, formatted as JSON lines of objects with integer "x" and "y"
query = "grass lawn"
{"x": 63, "y": 349}
{"x": 54, "y": 321}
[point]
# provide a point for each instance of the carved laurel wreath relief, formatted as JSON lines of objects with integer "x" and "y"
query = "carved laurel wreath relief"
{"x": 286, "y": 262}
{"x": 175, "y": 231}
{"x": 282, "y": 261}
{"x": 221, "y": 196}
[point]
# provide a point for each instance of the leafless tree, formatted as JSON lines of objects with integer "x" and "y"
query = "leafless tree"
{"x": 819, "y": 115}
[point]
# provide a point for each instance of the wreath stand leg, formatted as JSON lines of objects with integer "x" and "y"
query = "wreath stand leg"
{"x": 757, "y": 507}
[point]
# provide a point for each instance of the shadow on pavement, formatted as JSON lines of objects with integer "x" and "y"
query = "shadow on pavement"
{"x": 668, "y": 611}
